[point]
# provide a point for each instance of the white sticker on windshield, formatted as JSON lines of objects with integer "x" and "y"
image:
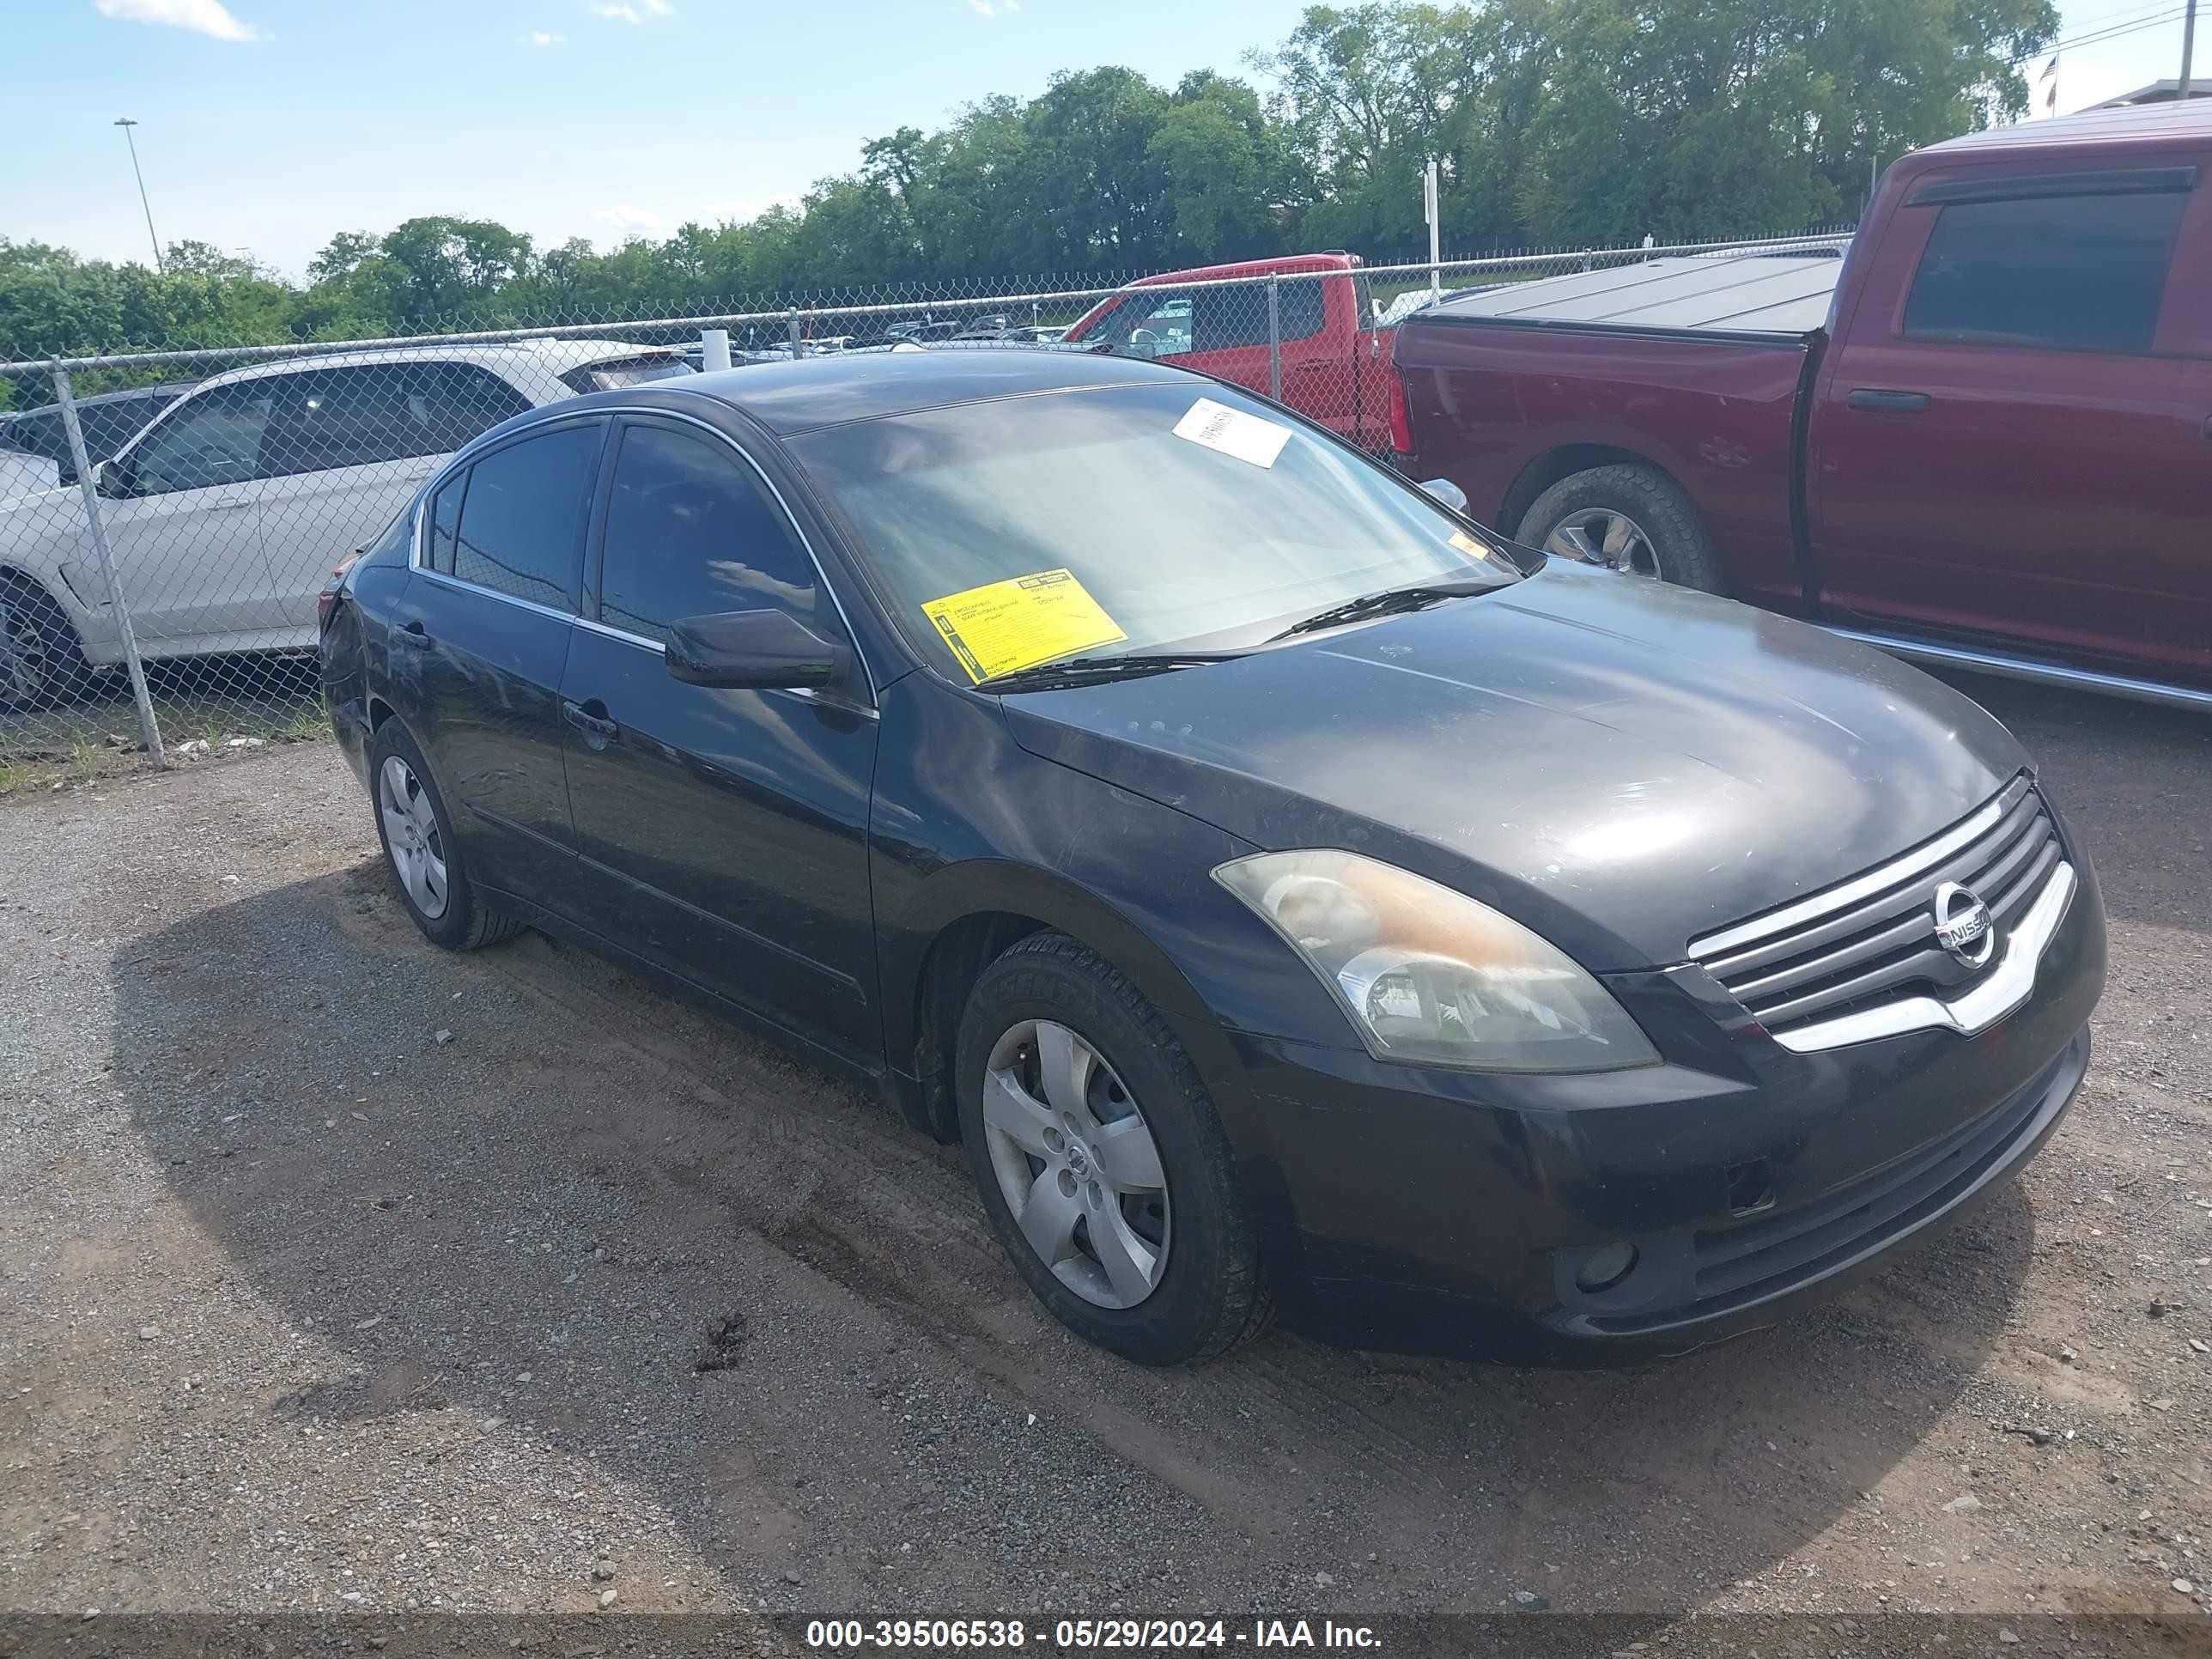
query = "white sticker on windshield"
{"x": 1233, "y": 432}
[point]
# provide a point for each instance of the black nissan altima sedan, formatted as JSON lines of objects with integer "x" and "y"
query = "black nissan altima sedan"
{"x": 1288, "y": 893}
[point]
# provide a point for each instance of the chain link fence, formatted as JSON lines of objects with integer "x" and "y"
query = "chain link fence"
{"x": 168, "y": 518}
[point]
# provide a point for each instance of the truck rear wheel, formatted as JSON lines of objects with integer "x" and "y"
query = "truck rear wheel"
{"x": 1634, "y": 520}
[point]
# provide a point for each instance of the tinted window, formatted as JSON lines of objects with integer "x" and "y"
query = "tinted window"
{"x": 1146, "y": 325}
{"x": 2083, "y": 273}
{"x": 1224, "y": 317}
{"x": 215, "y": 438}
{"x": 523, "y": 515}
{"x": 356, "y": 416}
{"x": 690, "y": 532}
{"x": 445, "y": 519}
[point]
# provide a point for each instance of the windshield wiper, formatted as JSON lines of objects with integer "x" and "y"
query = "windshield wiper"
{"x": 1385, "y": 602}
{"x": 1090, "y": 670}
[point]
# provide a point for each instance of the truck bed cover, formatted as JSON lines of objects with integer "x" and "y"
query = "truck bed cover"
{"x": 1769, "y": 296}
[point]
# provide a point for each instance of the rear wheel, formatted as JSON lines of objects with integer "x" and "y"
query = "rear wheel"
{"x": 1102, "y": 1166}
{"x": 41, "y": 662}
{"x": 1634, "y": 520}
{"x": 419, "y": 845}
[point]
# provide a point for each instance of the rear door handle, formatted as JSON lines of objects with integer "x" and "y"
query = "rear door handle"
{"x": 412, "y": 634}
{"x": 1897, "y": 403}
{"x": 591, "y": 719}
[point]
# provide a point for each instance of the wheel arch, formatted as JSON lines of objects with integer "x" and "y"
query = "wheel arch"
{"x": 957, "y": 925}
{"x": 1564, "y": 461}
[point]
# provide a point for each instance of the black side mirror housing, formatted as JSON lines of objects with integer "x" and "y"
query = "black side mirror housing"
{"x": 764, "y": 650}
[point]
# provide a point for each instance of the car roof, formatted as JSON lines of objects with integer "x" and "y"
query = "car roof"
{"x": 793, "y": 397}
{"x": 556, "y": 357}
{"x": 2143, "y": 124}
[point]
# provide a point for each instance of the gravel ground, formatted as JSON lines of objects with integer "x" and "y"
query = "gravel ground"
{"x": 340, "y": 1273}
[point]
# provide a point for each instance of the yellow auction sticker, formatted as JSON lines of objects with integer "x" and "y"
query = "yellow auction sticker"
{"x": 1004, "y": 626}
{"x": 1468, "y": 544}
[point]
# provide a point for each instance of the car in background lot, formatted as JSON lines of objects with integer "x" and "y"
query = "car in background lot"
{"x": 1334, "y": 361}
{"x": 1983, "y": 437}
{"x": 108, "y": 420}
{"x": 225, "y": 515}
{"x": 1284, "y": 890}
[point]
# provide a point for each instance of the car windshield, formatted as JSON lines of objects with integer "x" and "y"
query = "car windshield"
{"x": 1190, "y": 515}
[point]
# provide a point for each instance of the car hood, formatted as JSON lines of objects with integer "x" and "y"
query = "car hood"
{"x": 1621, "y": 765}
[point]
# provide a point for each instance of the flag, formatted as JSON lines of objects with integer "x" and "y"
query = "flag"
{"x": 2049, "y": 79}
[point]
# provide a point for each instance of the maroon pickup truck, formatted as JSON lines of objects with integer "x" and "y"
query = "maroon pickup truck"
{"x": 1982, "y": 436}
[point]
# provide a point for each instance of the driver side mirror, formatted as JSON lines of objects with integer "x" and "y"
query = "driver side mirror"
{"x": 765, "y": 650}
{"x": 1447, "y": 492}
{"x": 113, "y": 480}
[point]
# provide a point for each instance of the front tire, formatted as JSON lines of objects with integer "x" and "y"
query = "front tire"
{"x": 1631, "y": 518}
{"x": 42, "y": 662}
{"x": 1101, "y": 1164}
{"x": 420, "y": 850}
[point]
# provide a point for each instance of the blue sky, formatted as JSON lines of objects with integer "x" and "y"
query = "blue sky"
{"x": 267, "y": 124}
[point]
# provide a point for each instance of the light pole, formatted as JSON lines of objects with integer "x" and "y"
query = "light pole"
{"x": 2188, "y": 48}
{"x": 126, "y": 124}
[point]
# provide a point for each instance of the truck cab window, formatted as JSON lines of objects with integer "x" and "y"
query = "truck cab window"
{"x": 2066, "y": 273}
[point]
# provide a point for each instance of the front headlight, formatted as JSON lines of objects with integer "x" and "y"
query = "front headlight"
{"x": 1431, "y": 975}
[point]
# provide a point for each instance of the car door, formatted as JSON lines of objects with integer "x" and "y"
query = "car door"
{"x": 2009, "y": 438}
{"x": 481, "y": 636}
{"x": 349, "y": 446}
{"x": 722, "y": 832}
{"x": 181, "y": 510}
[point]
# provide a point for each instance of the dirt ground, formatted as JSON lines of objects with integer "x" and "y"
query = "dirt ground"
{"x": 337, "y": 1273}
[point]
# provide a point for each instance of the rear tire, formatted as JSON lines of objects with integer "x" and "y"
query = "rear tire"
{"x": 1174, "y": 1205}
{"x": 42, "y": 663}
{"x": 1667, "y": 540}
{"x": 420, "y": 851}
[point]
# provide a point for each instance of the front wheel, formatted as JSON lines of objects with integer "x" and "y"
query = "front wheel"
{"x": 1631, "y": 518}
{"x": 419, "y": 847}
{"x": 1102, "y": 1166}
{"x": 42, "y": 664}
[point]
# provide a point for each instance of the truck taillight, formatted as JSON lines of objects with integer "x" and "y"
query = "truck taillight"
{"x": 1401, "y": 420}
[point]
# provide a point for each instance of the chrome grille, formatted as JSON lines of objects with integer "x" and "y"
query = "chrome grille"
{"x": 1871, "y": 941}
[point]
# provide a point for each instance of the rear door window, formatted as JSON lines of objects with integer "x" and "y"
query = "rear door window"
{"x": 445, "y": 523}
{"x": 520, "y": 529}
{"x": 2071, "y": 272}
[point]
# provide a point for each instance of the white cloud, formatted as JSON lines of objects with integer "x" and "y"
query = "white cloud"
{"x": 201, "y": 16}
{"x": 624, "y": 12}
{"x": 539, "y": 37}
{"x": 981, "y": 7}
{"x": 659, "y": 8}
{"x": 625, "y": 218}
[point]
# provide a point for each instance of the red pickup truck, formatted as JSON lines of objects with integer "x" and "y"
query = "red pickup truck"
{"x": 1982, "y": 436}
{"x": 1336, "y": 362}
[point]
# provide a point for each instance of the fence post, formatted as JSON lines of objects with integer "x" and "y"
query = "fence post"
{"x": 88, "y": 486}
{"x": 1275, "y": 336}
{"x": 798, "y": 347}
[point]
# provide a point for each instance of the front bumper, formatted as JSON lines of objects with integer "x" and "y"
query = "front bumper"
{"x": 1445, "y": 1211}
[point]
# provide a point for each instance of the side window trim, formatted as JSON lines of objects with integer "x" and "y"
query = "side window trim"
{"x": 422, "y": 527}
{"x": 595, "y": 549}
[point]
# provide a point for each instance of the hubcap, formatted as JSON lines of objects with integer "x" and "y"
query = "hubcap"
{"x": 1600, "y": 535}
{"x": 1077, "y": 1163}
{"x": 412, "y": 835}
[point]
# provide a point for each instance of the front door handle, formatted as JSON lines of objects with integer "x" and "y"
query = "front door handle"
{"x": 1896, "y": 402}
{"x": 591, "y": 719}
{"x": 413, "y": 634}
